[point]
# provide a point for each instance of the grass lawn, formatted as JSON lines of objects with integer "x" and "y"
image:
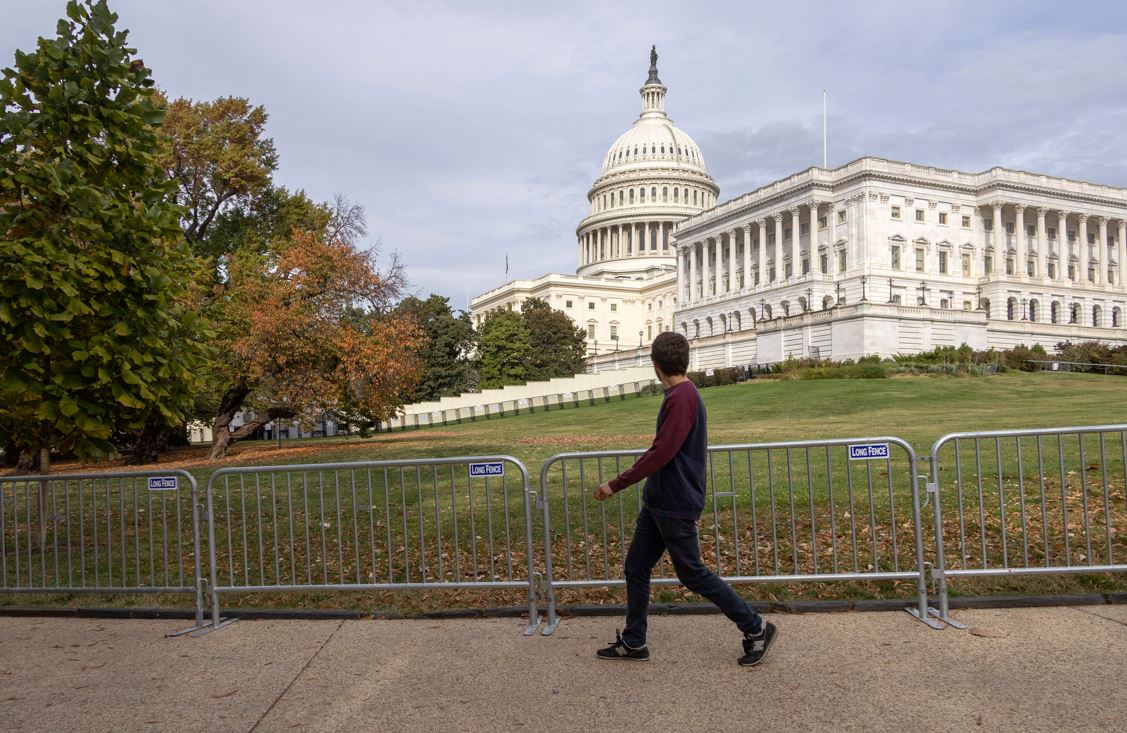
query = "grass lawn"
{"x": 807, "y": 511}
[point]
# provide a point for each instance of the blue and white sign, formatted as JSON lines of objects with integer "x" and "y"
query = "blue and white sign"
{"x": 163, "y": 483}
{"x": 487, "y": 469}
{"x": 868, "y": 451}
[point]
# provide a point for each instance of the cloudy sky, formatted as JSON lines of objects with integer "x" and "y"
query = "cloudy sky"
{"x": 472, "y": 130}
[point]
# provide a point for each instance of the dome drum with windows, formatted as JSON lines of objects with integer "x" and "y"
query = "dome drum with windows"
{"x": 653, "y": 177}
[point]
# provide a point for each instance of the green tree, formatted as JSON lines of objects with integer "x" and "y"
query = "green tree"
{"x": 556, "y": 345}
{"x": 448, "y": 366}
{"x": 503, "y": 345}
{"x": 95, "y": 275}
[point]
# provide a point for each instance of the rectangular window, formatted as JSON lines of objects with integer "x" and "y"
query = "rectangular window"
{"x": 841, "y": 217}
{"x": 591, "y": 306}
{"x": 919, "y": 259}
{"x": 1072, "y": 235}
{"x": 1072, "y": 272}
{"x": 842, "y": 261}
{"x": 567, "y": 303}
{"x": 825, "y": 262}
{"x": 966, "y": 222}
{"x": 805, "y": 266}
{"x": 590, "y": 330}
{"x": 988, "y": 225}
{"x": 613, "y": 307}
{"x": 966, "y": 305}
{"x": 1091, "y": 237}
{"x": 786, "y": 234}
{"x": 1009, "y": 265}
{"x": 919, "y": 214}
{"x": 1031, "y": 230}
{"x": 895, "y": 258}
{"x": 966, "y": 265}
{"x": 942, "y": 217}
{"x": 803, "y": 229}
{"x": 789, "y": 270}
{"x": 1052, "y": 232}
{"x": 771, "y": 238}
{"x": 821, "y": 222}
{"x": 987, "y": 264}
{"x": 1009, "y": 227}
{"x": 614, "y": 333}
{"x": 895, "y": 212}
{"x": 942, "y": 263}
{"x": 1031, "y": 268}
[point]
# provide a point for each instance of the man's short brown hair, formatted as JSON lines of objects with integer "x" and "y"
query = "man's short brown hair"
{"x": 670, "y": 353}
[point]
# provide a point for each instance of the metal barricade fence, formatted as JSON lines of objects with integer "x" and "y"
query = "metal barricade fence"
{"x": 1025, "y": 502}
{"x": 442, "y": 523}
{"x": 118, "y": 532}
{"x": 826, "y": 510}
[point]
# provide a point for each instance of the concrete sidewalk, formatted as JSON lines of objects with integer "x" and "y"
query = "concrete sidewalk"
{"x": 1018, "y": 669}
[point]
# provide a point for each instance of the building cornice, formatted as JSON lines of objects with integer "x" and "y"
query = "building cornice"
{"x": 815, "y": 181}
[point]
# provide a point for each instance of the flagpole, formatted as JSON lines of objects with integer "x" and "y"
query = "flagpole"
{"x": 825, "y": 157}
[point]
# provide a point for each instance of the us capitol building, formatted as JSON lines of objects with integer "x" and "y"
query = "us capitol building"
{"x": 874, "y": 257}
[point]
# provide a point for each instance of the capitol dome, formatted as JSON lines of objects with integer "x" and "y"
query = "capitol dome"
{"x": 653, "y": 177}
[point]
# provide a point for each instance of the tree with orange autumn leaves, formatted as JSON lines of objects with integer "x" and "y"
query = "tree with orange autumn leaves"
{"x": 304, "y": 326}
{"x": 303, "y": 318}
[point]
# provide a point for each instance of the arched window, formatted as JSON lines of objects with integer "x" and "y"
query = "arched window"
{"x": 653, "y": 194}
{"x": 1097, "y": 316}
{"x": 736, "y": 324}
{"x": 631, "y": 195}
{"x": 1033, "y": 311}
{"x": 1115, "y": 317}
{"x": 827, "y": 303}
{"x": 665, "y": 193}
{"x": 767, "y": 312}
{"x": 751, "y": 313}
{"x": 1054, "y": 312}
{"x": 1011, "y": 306}
{"x": 1074, "y": 313}
{"x": 642, "y": 195}
{"x": 663, "y": 148}
{"x": 621, "y": 195}
{"x": 694, "y": 196}
{"x": 985, "y": 305}
{"x": 675, "y": 191}
{"x": 802, "y": 305}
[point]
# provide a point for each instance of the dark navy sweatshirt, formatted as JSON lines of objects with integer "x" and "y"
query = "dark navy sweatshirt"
{"x": 674, "y": 465}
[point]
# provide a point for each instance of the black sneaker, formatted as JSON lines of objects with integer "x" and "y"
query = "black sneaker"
{"x": 620, "y": 650}
{"x": 756, "y": 647}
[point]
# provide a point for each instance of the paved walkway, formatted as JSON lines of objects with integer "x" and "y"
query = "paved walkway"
{"x": 1018, "y": 669}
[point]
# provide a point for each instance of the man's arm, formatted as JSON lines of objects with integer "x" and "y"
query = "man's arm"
{"x": 680, "y": 414}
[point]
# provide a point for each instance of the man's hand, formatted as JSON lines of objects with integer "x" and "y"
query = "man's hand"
{"x": 603, "y": 492}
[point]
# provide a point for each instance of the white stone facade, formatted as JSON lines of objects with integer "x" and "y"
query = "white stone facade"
{"x": 653, "y": 177}
{"x": 880, "y": 257}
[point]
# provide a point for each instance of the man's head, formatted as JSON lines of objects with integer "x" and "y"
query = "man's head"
{"x": 670, "y": 353}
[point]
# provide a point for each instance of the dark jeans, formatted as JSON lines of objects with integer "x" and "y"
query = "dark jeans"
{"x": 654, "y": 535}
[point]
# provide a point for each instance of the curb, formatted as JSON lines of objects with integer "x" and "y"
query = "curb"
{"x": 617, "y": 609}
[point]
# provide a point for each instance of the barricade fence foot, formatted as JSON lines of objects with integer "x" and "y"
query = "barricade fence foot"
{"x": 188, "y": 630}
{"x": 210, "y": 628}
{"x": 533, "y": 624}
{"x": 550, "y": 627}
{"x": 915, "y": 612}
{"x": 946, "y": 619}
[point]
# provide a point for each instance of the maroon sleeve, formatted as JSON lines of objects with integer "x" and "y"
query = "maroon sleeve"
{"x": 680, "y": 412}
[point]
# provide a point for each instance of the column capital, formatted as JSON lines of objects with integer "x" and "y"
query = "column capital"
{"x": 1082, "y": 218}
{"x": 1019, "y": 209}
{"x": 762, "y": 223}
{"x": 1103, "y": 220}
{"x": 813, "y": 206}
{"x": 747, "y": 227}
{"x": 1042, "y": 212}
{"x": 1062, "y": 214}
{"x": 795, "y": 211}
{"x": 997, "y": 206}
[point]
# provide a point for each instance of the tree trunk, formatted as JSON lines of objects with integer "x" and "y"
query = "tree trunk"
{"x": 229, "y": 405}
{"x": 154, "y": 439}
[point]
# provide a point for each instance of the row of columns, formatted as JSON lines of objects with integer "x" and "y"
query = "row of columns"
{"x": 709, "y": 255}
{"x": 1040, "y": 257}
{"x": 625, "y": 240}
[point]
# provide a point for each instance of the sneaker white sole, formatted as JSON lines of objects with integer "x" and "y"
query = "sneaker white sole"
{"x": 766, "y": 649}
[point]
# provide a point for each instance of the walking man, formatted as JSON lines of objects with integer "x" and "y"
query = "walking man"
{"x": 673, "y": 499}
